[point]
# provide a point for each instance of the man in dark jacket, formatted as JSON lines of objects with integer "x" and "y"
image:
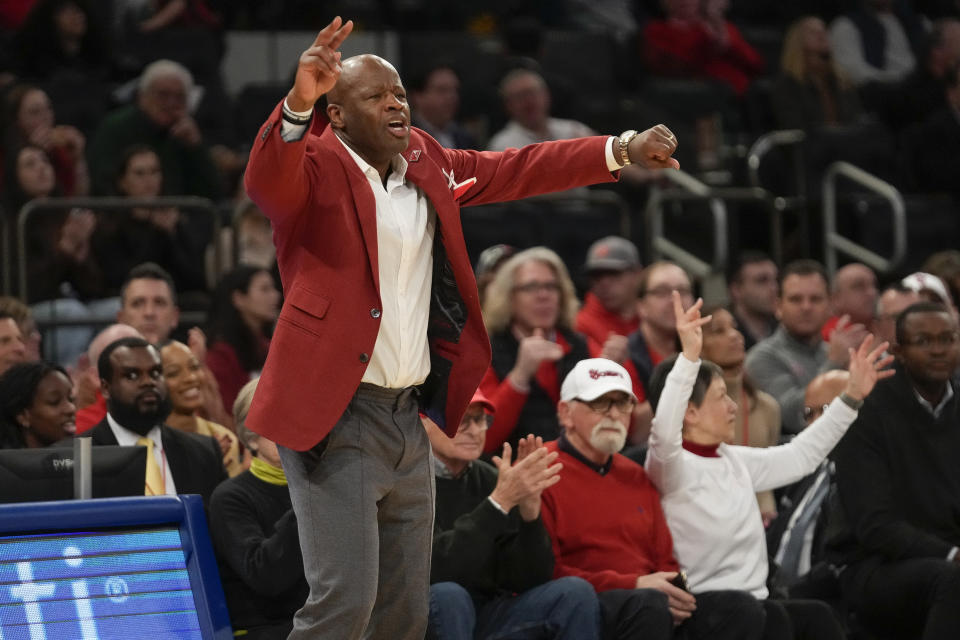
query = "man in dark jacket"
{"x": 899, "y": 486}
{"x": 131, "y": 378}
{"x": 492, "y": 559}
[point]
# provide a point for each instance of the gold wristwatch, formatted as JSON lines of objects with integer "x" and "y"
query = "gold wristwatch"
{"x": 622, "y": 141}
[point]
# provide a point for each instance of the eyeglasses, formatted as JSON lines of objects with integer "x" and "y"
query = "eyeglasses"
{"x": 924, "y": 341}
{"x": 537, "y": 287}
{"x": 666, "y": 292}
{"x": 602, "y": 405}
{"x": 481, "y": 420}
{"x": 812, "y": 413}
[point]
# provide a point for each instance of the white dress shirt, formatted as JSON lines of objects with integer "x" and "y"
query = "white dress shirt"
{"x": 127, "y": 438}
{"x": 405, "y": 227}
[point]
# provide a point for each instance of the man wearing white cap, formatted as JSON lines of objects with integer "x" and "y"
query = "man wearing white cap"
{"x": 607, "y": 525}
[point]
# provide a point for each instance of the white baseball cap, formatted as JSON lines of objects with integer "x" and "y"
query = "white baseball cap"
{"x": 921, "y": 281}
{"x": 592, "y": 378}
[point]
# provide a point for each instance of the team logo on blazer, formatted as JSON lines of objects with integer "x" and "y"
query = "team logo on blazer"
{"x": 458, "y": 188}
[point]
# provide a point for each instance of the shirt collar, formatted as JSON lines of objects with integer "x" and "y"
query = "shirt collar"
{"x": 127, "y": 438}
{"x": 398, "y": 165}
{"x": 564, "y": 445}
{"x": 443, "y": 472}
{"x": 935, "y": 411}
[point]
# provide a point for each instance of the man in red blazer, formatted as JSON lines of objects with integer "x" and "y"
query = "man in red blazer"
{"x": 381, "y": 320}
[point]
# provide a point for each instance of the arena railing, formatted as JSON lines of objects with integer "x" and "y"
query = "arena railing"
{"x": 836, "y": 243}
{"x": 202, "y": 206}
{"x": 106, "y": 205}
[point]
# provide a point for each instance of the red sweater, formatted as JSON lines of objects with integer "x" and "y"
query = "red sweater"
{"x": 596, "y": 323}
{"x": 672, "y": 47}
{"x": 607, "y": 529}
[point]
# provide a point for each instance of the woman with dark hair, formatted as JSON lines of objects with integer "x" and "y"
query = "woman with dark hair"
{"x": 36, "y": 405}
{"x": 758, "y": 414}
{"x": 138, "y": 235}
{"x": 59, "y": 35}
{"x": 245, "y": 308}
{"x": 64, "y": 280}
{"x": 29, "y": 119}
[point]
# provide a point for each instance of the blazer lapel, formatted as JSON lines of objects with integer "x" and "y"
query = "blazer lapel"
{"x": 363, "y": 200}
{"x": 102, "y": 434}
{"x": 174, "y": 453}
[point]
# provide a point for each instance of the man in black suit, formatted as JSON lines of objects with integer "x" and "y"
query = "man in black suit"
{"x": 132, "y": 382}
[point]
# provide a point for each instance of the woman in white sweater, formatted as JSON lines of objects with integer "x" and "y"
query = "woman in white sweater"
{"x": 707, "y": 487}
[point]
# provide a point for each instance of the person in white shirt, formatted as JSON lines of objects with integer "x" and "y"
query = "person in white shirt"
{"x": 707, "y": 487}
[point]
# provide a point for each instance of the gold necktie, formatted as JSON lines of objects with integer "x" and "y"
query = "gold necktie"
{"x": 154, "y": 480}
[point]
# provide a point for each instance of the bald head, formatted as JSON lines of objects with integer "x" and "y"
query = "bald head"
{"x": 354, "y": 68}
{"x": 822, "y": 390}
{"x": 111, "y": 334}
{"x": 855, "y": 292}
{"x": 368, "y": 110}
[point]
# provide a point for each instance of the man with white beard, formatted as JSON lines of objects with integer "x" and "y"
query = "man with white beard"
{"x": 607, "y": 526}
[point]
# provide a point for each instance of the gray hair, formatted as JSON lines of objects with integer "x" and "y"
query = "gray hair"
{"x": 163, "y": 69}
{"x": 241, "y": 407}
{"x": 498, "y": 298}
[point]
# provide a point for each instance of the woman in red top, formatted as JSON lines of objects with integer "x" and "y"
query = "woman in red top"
{"x": 245, "y": 308}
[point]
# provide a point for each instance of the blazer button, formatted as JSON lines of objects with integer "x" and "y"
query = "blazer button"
{"x": 364, "y": 357}
{"x": 374, "y": 313}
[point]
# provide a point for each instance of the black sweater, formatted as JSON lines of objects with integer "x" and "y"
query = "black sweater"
{"x": 254, "y": 533}
{"x": 898, "y": 478}
{"x": 477, "y": 546}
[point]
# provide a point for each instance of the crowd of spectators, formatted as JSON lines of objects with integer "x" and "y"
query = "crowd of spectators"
{"x": 154, "y": 327}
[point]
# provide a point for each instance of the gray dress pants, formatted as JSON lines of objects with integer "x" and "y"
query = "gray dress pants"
{"x": 364, "y": 501}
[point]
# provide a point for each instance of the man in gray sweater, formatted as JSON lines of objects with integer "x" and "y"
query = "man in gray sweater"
{"x": 795, "y": 354}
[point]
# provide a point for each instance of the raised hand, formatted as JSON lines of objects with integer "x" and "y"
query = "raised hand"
{"x": 866, "y": 367}
{"x": 844, "y": 337}
{"x": 197, "y": 341}
{"x": 529, "y": 506}
{"x": 653, "y": 148}
{"x": 522, "y": 482}
{"x": 319, "y": 67}
{"x": 615, "y": 348}
{"x": 533, "y": 350}
{"x": 690, "y": 327}
{"x": 185, "y": 130}
{"x": 75, "y": 234}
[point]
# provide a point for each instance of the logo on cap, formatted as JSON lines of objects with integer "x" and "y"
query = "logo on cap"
{"x": 596, "y": 374}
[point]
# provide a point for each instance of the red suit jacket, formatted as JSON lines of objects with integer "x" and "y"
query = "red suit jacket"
{"x": 325, "y": 230}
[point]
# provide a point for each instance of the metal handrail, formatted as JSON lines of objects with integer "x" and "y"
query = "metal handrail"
{"x": 834, "y": 242}
{"x": 766, "y": 143}
{"x": 688, "y": 188}
{"x": 111, "y": 203}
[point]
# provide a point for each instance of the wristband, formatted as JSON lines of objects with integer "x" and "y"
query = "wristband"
{"x": 296, "y": 120}
{"x": 497, "y": 505}
{"x": 851, "y": 402}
